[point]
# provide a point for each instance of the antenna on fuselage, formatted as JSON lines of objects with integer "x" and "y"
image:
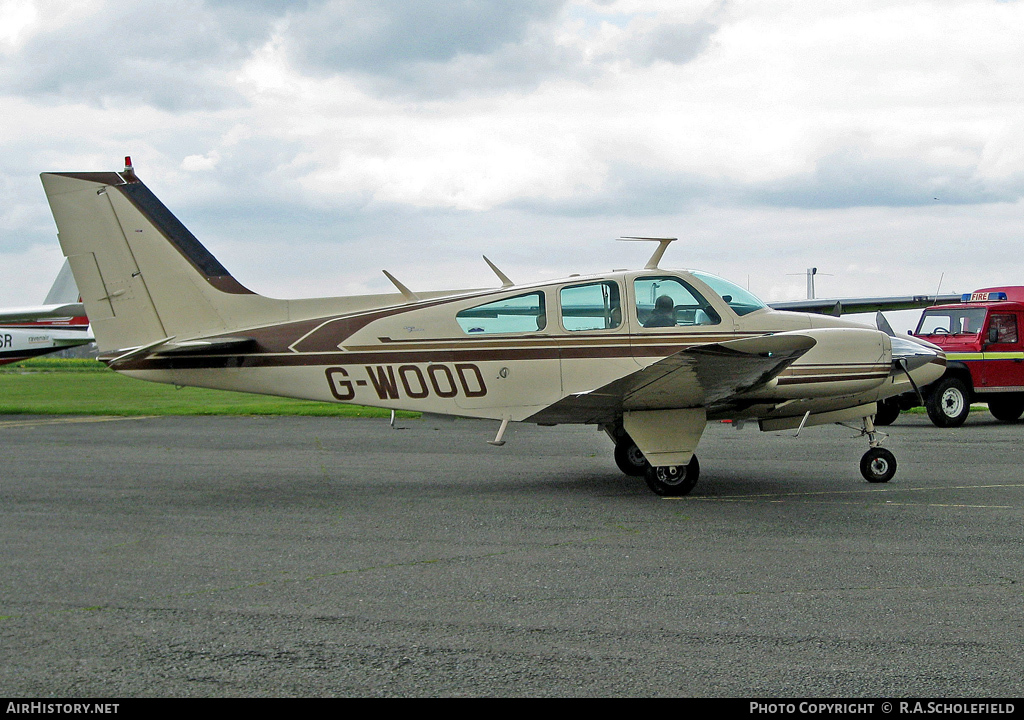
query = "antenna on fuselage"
{"x": 663, "y": 244}
{"x": 505, "y": 282}
{"x": 406, "y": 292}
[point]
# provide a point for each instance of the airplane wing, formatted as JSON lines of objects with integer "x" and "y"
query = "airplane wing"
{"x": 40, "y": 312}
{"x": 845, "y": 306}
{"x": 698, "y": 376}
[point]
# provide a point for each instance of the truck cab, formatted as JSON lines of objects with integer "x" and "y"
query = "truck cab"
{"x": 982, "y": 338}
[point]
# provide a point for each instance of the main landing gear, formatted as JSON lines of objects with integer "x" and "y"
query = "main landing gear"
{"x": 668, "y": 481}
{"x": 629, "y": 458}
{"x": 673, "y": 480}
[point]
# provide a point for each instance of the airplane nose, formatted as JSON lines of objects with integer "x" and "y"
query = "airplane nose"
{"x": 913, "y": 354}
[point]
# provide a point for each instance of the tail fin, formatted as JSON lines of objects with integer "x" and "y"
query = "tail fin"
{"x": 142, "y": 275}
{"x": 64, "y": 298}
{"x": 63, "y": 289}
{"x": 61, "y": 308}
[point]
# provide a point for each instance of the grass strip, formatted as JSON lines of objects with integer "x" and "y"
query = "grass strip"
{"x": 54, "y": 386}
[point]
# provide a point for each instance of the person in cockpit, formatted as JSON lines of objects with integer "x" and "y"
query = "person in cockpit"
{"x": 664, "y": 313}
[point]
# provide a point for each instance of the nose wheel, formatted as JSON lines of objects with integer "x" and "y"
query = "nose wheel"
{"x": 878, "y": 465}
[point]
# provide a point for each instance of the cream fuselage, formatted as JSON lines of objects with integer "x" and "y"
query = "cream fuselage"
{"x": 416, "y": 356}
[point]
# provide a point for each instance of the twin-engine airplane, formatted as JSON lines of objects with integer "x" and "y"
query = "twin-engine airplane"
{"x": 58, "y": 324}
{"x": 649, "y": 356}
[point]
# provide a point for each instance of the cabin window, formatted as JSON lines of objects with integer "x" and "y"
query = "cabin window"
{"x": 594, "y": 306}
{"x": 670, "y": 302}
{"x": 521, "y": 313}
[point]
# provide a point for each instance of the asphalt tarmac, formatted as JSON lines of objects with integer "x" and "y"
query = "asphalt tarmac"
{"x": 277, "y": 557}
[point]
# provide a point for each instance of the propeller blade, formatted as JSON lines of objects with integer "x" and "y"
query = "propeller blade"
{"x": 883, "y": 325}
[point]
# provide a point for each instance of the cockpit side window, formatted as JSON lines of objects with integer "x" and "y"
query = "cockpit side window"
{"x": 594, "y": 306}
{"x": 520, "y": 313}
{"x": 670, "y": 302}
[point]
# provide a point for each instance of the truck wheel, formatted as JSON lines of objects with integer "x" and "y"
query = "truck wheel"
{"x": 949, "y": 403}
{"x": 886, "y": 412}
{"x": 1007, "y": 409}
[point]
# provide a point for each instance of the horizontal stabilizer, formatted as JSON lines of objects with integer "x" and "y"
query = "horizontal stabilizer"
{"x": 167, "y": 346}
{"x": 203, "y": 346}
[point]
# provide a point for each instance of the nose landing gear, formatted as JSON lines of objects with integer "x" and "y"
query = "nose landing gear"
{"x": 878, "y": 465}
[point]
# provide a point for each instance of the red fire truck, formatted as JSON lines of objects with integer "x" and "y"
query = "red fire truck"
{"x": 981, "y": 336}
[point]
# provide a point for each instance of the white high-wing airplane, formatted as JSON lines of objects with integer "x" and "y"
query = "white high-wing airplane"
{"x": 58, "y": 324}
{"x": 650, "y": 356}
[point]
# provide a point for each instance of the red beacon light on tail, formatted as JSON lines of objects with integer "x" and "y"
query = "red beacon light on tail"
{"x": 129, "y": 172}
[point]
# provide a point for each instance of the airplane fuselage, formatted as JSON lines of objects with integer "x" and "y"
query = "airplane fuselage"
{"x": 538, "y": 344}
{"x": 22, "y": 343}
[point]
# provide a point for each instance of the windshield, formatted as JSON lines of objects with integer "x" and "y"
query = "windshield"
{"x": 952, "y": 321}
{"x": 741, "y": 301}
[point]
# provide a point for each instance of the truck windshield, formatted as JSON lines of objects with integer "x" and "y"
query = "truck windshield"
{"x": 954, "y": 321}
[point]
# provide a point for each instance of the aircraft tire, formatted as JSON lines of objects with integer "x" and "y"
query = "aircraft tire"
{"x": 1007, "y": 409}
{"x": 878, "y": 465}
{"x": 629, "y": 458}
{"x": 949, "y": 403}
{"x": 673, "y": 480}
{"x": 886, "y": 412}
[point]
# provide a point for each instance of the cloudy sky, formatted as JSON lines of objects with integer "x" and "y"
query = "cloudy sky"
{"x": 311, "y": 144}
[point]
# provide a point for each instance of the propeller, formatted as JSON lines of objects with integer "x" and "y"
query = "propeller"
{"x": 883, "y": 325}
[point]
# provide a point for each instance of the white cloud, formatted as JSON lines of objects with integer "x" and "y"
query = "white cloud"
{"x": 16, "y": 19}
{"x": 201, "y": 163}
{"x": 771, "y": 132}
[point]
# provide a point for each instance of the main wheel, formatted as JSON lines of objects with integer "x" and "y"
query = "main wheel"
{"x": 878, "y": 465}
{"x": 673, "y": 480}
{"x": 629, "y": 458}
{"x": 948, "y": 403}
{"x": 1006, "y": 409}
{"x": 886, "y": 412}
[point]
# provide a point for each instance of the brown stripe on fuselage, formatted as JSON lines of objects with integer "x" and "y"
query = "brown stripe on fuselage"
{"x": 327, "y": 334}
{"x": 467, "y": 349}
{"x": 799, "y": 379}
{"x": 834, "y": 367}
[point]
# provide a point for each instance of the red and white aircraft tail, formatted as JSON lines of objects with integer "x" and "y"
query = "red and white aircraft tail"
{"x": 59, "y": 323}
